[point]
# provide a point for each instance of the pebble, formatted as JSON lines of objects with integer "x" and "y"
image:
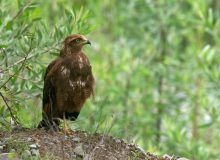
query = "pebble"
{"x": 33, "y": 146}
{"x": 118, "y": 141}
{"x": 167, "y": 156}
{"x": 76, "y": 139}
{"x": 79, "y": 150}
{"x": 182, "y": 158}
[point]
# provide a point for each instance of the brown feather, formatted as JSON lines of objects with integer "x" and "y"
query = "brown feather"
{"x": 68, "y": 82}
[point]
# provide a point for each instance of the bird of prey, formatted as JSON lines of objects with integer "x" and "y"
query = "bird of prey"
{"x": 68, "y": 83}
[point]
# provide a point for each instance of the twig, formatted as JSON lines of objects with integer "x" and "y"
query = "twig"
{"x": 20, "y": 61}
{"x": 9, "y": 108}
{"x": 22, "y": 65}
{"x": 6, "y": 61}
{"x": 26, "y": 79}
{"x": 21, "y": 11}
{"x": 19, "y": 77}
{"x": 25, "y": 58}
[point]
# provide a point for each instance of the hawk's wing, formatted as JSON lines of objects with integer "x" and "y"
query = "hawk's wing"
{"x": 49, "y": 93}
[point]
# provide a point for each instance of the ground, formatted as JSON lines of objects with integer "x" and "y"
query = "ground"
{"x": 76, "y": 145}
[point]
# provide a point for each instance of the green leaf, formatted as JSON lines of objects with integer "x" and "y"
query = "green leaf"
{"x": 25, "y": 29}
{"x": 9, "y": 25}
{"x": 206, "y": 125}
{"x": 33, "y": 5}
{"x": 210, "y": 56}
{"x": 36, "y": 19}
{"x": 3, "y": 46}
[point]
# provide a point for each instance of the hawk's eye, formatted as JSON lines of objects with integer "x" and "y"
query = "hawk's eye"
{"x": 77, "y": 40}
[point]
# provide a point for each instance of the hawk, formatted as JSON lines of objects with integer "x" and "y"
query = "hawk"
{"x": 68, "y": 83}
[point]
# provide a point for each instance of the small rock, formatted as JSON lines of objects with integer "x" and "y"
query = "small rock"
{"x": 123, "y": 153}
{"x": 35, "y": 152}
{"x": 33, "y": 146}
{"x": 79, "y": 150}
{"x": 167, "y": 156}
{"x": 29, "y": 139}
{"x": 118, "y": 141}
{"x": 182, "y": 158}
{"x": 76, "y": 139}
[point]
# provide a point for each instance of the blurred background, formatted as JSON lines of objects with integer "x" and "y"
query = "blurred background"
{"x": 156, "y": 64}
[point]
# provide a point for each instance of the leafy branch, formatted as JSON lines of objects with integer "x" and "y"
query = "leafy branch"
{"x": 9, "y": 108}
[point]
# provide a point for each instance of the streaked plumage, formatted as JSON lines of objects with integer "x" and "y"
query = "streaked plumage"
{"x": 68, "y": 82}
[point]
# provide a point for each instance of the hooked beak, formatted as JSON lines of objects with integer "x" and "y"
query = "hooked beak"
{"x": 87, "y": 42}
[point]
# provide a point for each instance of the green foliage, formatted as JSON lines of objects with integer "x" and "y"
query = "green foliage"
{"x": 156, "y": 65}
{"x": 27, "y": 40}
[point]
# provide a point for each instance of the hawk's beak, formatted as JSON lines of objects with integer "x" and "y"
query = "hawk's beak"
{"x": 87, "y": 42}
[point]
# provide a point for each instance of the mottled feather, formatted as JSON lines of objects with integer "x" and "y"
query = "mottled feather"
{"x": 68, "y": 82}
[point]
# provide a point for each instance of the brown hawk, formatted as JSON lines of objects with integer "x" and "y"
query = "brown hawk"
{"x": 68, "y": 82}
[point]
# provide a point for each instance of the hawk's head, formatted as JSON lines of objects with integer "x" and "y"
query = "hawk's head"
{"x": 75, "y": 42}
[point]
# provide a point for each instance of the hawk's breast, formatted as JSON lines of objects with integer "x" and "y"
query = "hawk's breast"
{"x": 75, "y": 77}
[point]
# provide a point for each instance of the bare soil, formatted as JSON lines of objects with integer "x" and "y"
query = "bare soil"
{"x": 77, "y": 145}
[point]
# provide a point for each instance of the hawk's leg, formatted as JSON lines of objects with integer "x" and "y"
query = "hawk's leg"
{"x": 66, "y": 129}
{"x": 55, "y": 125}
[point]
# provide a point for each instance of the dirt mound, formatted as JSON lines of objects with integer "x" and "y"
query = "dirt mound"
{"x": 76, "y": 145}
